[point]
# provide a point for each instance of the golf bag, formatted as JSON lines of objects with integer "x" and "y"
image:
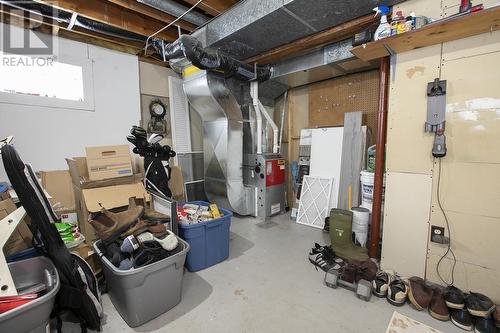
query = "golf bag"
{"x": 79, "y": 291}
{"x": 156, "y": 172}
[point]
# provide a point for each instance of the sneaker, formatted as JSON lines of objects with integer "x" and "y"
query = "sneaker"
{"x": 324, "y": 258}
{"x": 381, "y": 283}
{"x": 419, "y": 293}
{"x": 485, "y": 325}
{"x": 397, "y": 292}
{"x": 462, "y": 318}
{"x": 437, "y": 306}
{"x": 479, "y": 305}
{"x": 169, "y": 242}
{"x": 454, "y": 297}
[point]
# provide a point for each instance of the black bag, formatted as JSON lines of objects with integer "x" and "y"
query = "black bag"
{"x": 79, "y": 291}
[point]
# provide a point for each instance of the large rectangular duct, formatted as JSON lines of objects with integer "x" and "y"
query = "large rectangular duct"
{"x": 252, "y": 27}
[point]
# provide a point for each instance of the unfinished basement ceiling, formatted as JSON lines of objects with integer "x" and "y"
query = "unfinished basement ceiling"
{"x": 255, "y": 26}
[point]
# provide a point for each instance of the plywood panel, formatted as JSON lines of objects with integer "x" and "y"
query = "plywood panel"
{"x": 468, "y": 276}
{"x": 406, "y": 212}
{"x": 408, "y": 146}
{"x": 329, "y": 100}
{"x": 474, "y": 237}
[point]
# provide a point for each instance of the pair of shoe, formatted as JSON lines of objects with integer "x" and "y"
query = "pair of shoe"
{"x": 132, "y": 243}
{"x": 323, "y": 257}
{"x": 390, "y": 286}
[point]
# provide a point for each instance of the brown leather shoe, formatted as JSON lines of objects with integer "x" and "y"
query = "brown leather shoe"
{"x": 149, "y": 214}
{"x": 145, "y": 225}
{"x": 108, "y": 224}
{"x": 437, "y": 307}
{"x": 419, "y": 293}
{"x": 367, "y": 270}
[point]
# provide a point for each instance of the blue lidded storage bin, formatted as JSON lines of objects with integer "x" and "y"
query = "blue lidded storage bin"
{"x": 208, "y": 241}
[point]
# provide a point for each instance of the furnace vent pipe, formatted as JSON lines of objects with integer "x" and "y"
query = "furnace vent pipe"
{"x": 271, "y": 123}
{"x": 189, "y": 47}
{"x": 254, "y": 93}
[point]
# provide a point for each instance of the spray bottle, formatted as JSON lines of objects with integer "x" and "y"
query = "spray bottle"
{"x": 384, "y": 29}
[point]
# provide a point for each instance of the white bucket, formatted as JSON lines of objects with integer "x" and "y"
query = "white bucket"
{"x": 367, "y": 179}
{"x": 360, "y": 223}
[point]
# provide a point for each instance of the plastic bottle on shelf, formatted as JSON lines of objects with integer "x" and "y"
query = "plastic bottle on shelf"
{"x": 384, "y": 28}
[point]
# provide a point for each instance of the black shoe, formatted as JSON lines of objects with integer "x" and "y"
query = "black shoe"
{"x": 323, "y": 257}
{"x": 454, "y": 298}
{"x": 485, "y": 325}
{"x": 326, "y": 228}
{"x": 462, "y": 318}
{"x": 479, "y": 305}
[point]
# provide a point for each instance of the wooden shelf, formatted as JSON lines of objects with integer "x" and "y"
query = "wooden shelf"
{"x": 445, "y": 30}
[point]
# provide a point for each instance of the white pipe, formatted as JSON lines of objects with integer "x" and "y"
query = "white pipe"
{"x": 285, "y": 105}
{"x": 254, "y": 92}
{"x": 270, "y": 121}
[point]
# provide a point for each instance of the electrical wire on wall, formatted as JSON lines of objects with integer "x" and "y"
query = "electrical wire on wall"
{"x": 449, "y": 249}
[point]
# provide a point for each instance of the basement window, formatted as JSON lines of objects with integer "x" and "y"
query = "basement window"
{"x": 45, "y": 82}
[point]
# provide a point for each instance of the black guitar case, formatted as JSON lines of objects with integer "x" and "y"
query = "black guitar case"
{"x": 79, "y": 291}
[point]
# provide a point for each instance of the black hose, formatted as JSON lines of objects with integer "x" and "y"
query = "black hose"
{"x": 210, "y": 59}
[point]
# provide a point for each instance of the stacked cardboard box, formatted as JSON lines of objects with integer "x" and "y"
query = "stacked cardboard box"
{"x": 21, "y": 238}
{"x": 110, "y": 193}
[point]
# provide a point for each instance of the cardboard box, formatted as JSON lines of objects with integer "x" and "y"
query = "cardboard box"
{"x": 110, "y": 197}
{"x": 59, "y": 186}
{"x": 176, "y": 184}
{"x": 21, "y": 237}
{"x": 108, "y": 162}
{"x": 86, "y": 251}
{"x": 79, "y": 174}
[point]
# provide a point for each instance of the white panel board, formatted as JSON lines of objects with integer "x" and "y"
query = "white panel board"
{"x": 406, "y": 209}
{"x": 326, "y": 155}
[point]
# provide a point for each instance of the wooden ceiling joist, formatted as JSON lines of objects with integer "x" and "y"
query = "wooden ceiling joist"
{"x": 115, "y": 16}
{"x": 306, "y": 44}
{"x": 165, "y": 18}
{"x": 213, "y": 7}
{"x": 44, "y": 26}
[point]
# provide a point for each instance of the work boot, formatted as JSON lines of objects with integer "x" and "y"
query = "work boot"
{"x": 419, "y": 293}
{"x": 109, "y": 224}
{"x": 437, "y": 307}
{"x": 149, "y": 214}
{"x": 454, "y": 297}
{"x": 141, "y": 226}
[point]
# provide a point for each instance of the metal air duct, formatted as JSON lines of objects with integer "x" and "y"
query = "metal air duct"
{"x": 223, "y": 140}
{"x": 175, "y": 9}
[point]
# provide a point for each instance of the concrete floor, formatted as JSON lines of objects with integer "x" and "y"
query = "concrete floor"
{"x": 268, "y": 285}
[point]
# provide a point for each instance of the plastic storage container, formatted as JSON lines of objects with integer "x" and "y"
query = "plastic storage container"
{"x": 34, "y": 316}
{"x": 142, "y": 294}
{"x": 209, "y": 241}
